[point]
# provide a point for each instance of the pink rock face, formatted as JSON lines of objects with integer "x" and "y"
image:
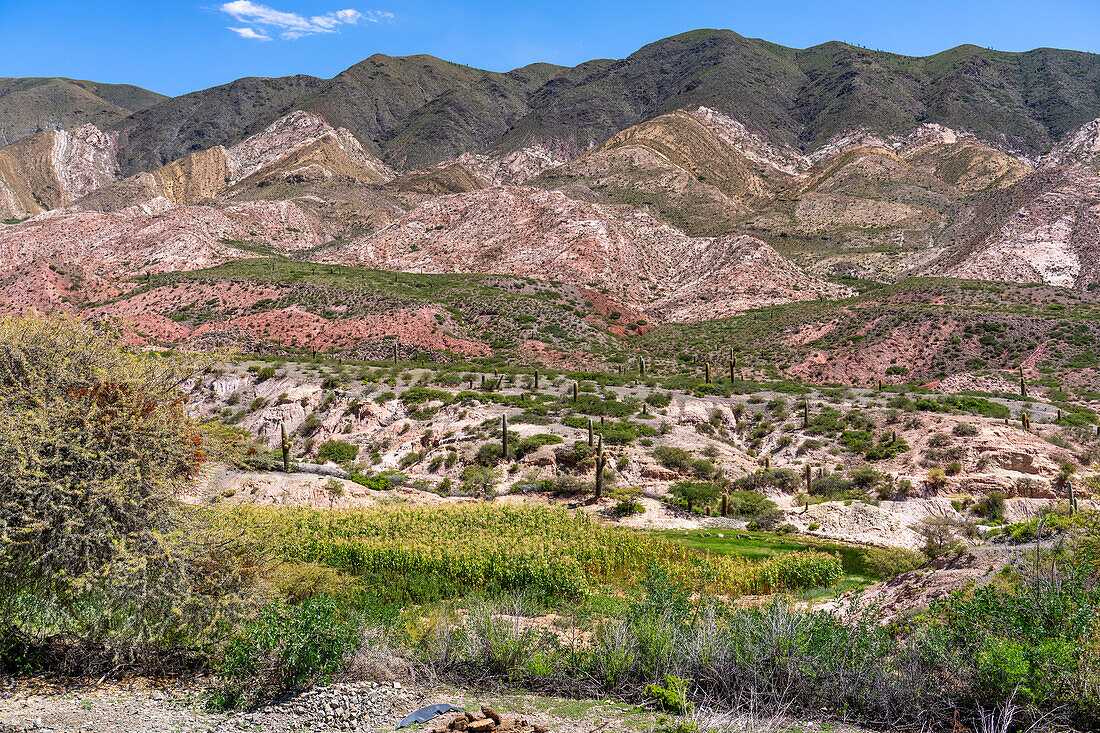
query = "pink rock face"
{"x": 544, "y": 234}
{"x": 154, "y": 237}
{"x": 299, "y": 328}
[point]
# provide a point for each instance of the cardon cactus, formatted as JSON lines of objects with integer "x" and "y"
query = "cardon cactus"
{"x": 504, "y": 436}
{"x": 536, "y": 380}
{"x": 284, "y": 444}
{"x": 601, "y": 464}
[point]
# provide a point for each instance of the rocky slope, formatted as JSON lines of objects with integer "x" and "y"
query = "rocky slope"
{"x": 28, "y": 106}
{"x": 649, "y": 266}
{"x": 53, "y": 169}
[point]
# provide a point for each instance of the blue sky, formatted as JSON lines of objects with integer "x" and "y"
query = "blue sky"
{"x": 175, "y": 46}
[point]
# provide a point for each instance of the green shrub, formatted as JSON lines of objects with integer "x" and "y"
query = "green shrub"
{"x": 748, "y": 503}
{"x": 490, "y": 454}
{"x": 532, "y": 443}
{"x": 694, "y": 493}
{"x": 672, "y": 696}
{"x": 658, "y": 399}
{"x": 991, "y": 506}
{"x": 284, "y": 648}
{"x": 676, "y": 459}
{"x": 337, "y": 451}
{"x": 887, "y": 562}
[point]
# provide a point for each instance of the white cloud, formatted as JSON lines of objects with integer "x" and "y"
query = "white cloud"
{"x": 250, "y": 34}
{"x": 293, "y": 25}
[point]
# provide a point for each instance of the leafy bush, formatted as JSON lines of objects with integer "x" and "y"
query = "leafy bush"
{"x": 658, "y": 399}
{"x": 623, "y": 433}
{"x": 490, "y": 454}
{"x": 676, "y": 459}
{"x": 479, "y": 480}
{"x": 693, "y": 493}
{"x": 420, "y": 395}
{"x": 284, "y": 648}
{"x": 532, "y": 443}
{"x": 748, "y": 503}
{"x": 96, "y": 444}
{"x": 671, "y": 697}
{"x": 831, "y": 486}
{"x": 888, "y": 446}
{"x": 887, "y": 562}
{"x": 337, "y": 451}
{"x": 991, "y": 506}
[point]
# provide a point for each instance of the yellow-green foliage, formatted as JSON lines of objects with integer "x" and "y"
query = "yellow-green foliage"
{"x": 543, "y": 549}
{"x": 96, "y": 443}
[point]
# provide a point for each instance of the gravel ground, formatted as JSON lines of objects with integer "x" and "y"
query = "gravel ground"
{"x": 142, "y": 705}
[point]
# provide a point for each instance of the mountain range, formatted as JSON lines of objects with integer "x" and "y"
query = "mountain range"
{"x": 549, "y": 212}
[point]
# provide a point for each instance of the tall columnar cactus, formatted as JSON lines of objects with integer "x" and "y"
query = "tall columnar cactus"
{"x": 395, "y": 354}
{"x": 808, "y": 474}
{"x": 708, "y": 372}
{"x": 1025, "y": 421}
{"x": 805, "y": 414}
{"x": 1072, "y": 497}
{"x": 1023, "y": 384}
{"x": 590, "y": 437}
{"x": 733, "y": 368}
{"x": 641, "y": 366}
{"x": 504, "y": 436}
{"x": 576, "y": 389}
{"x": 725, "y": 504}
{"x": 536, "y": 380}
{"x": 767, "y": 463}
{"x": 601, "y": 464}
{"x": 284, "y": 444}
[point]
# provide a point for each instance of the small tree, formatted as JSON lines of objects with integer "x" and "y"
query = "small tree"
{"x": 695, "y": 492}
{"x": 479, "y": 480}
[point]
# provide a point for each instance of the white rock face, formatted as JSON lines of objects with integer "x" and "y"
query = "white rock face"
{"x": 751, "y": 145}
{"x": 1079, "y": 147}
{"x": 293, "y": 132}
{"x": 85, "y": 159}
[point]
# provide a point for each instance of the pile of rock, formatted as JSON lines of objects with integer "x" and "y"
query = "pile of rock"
{"x": 486, "y": 721}
{"x": 355, "y": 706}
